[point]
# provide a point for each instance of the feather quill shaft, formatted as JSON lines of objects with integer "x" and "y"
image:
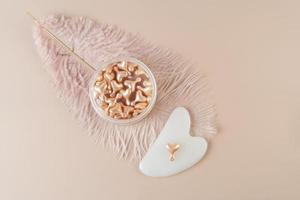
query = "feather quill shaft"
{"x": 61, "y": 43}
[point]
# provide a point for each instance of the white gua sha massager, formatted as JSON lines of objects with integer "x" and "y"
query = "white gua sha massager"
{"x": 175, "y": 150}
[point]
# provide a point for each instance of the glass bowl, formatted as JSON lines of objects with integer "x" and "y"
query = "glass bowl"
{"x": 123, "y": 90}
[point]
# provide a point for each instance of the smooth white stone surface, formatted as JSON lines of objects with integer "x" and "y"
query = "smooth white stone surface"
{"x": 156, "y": 162}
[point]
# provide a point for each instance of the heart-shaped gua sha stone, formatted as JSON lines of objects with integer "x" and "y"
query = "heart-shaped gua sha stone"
{"x": 162, "y": 159}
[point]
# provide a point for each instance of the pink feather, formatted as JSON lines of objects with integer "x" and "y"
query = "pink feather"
{"x": 179, "y": 83}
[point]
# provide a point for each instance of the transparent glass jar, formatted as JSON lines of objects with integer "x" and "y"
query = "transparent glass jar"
{"x": 94, "y": 96}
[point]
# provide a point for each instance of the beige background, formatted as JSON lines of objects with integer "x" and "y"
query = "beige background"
{"x": 250, "y": 52}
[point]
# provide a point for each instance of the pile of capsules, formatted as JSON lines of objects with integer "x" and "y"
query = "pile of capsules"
{"x": 122, "y": 90}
